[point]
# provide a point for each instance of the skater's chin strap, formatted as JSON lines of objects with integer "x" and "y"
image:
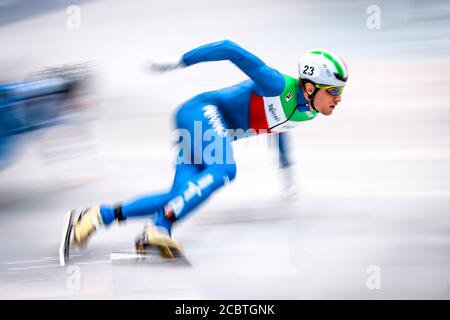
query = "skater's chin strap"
{"x": 288, "y": 118}
{"x": 118, "y": 213}
{"x": 301, "y": 108}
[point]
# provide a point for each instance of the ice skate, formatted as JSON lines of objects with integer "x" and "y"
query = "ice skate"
{"x": 153, "y": 237}
{"x": 76, "y": 233}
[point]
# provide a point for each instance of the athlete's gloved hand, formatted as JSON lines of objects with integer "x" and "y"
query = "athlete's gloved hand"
{"x": 164, "y": 64}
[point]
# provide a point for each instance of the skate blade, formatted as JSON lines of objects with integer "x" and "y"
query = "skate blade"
{"x": 164, "y": 250}
{"x": 65, "y": 238}
{"x": 149, "y": 256}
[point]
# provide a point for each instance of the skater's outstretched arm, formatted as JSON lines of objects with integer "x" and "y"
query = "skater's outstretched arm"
{"x": 268, "y": 79}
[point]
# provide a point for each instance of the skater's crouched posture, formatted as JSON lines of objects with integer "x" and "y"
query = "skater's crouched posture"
{"x": 269, "y": 102}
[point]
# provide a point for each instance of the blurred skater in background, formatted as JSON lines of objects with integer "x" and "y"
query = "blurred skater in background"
{"x": 45, "y": 99}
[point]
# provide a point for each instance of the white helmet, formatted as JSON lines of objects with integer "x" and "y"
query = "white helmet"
{"x": 323, "y": 67}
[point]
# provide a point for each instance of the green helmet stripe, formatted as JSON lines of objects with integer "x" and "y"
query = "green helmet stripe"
{"x": 339, "y": 69}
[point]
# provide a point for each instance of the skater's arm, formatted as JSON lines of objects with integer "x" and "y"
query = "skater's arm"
{"x": 289, "y": 186}
{"x": 283, "y": 150}
{"x": 268, "y": 79}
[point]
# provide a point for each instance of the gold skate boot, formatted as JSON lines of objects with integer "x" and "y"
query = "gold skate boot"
{"x": 155, "y": 237}
{"x": 85, "y": 226}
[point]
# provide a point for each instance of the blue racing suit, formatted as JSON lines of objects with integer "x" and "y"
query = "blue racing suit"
{"x": 248, "y": 105}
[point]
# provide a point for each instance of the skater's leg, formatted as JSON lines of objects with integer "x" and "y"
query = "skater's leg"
{"x": 191, "y": 193}
{"x": 159, "y": 233}
{"x": 198, "y": 189}
{"x": 148, "y": 204}
{"x": 216, "y": 159}
{"x": 185, "y": 168}
{"x": 184, "y": 172}
{"x": 142, "y": 206}
{"x": 209, "y": 149}
{"x": 92, "y": 218}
